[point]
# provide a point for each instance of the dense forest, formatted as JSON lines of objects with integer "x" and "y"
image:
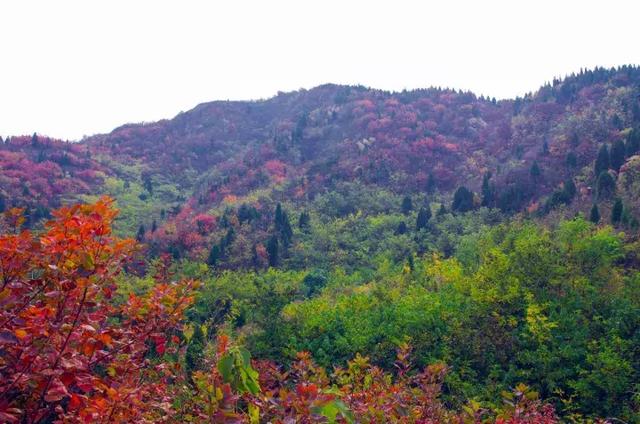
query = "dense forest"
{"x": 339, "y": 254}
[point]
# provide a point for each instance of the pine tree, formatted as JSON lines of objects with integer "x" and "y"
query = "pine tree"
{"x": 431, "y": 184}
{"x": 617, "y": 155}
{"x": 154, "y": 226}
{"x": 214, "y": 255}
{"x": 407, "y": 205}
{"x": 545, "y": 148}
{"x": 462, "y": 200}
{"x": 605, "y": 185}
{"x": 442, "y": 210}
{"x": 602, "y": 161}
{"x": 304, "y": 221}
{"x": 140, "y": 233}
{"x": 535, "y": 171}
{"x": 594, "y": 216}
{"x": 424, "y": 215}
{"x": 568, "y": 191}
{"x": 633, "y": 142}
{"x": 571, "y": 160}
{"x": 402, "y": 228}
{"x": 272, "y": 251}
{"x": 616, "y": 212}
{"x": 487, "y": 190}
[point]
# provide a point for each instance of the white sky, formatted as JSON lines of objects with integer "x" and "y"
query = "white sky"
{"x": 69, "y": 68}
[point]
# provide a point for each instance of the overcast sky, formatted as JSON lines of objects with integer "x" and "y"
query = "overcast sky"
{"x": 74, "y": 68}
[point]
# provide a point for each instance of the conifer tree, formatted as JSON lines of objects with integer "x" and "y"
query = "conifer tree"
{"x": 272, "y": 251}
{"x": 602, "y": 161}
{"x": 617, "y": 155}
{"x": 616, "y": 212}
{"x": 407, "y": 205}
{"x": 462, "y": 200}
{"x": 487, "y": 190}
{"x": 424, "y": 215}
{"x": 140, "y": 233}
{"x": 594, "y": 216}
{"x": 214, "y": 255}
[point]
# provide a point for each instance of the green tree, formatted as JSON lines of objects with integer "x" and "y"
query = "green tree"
{"x": 140, "y": 233}
{"x": 594, "y": 216}
{"x": 602, "y": 161}
{"x": 214, "y": 255}
{"x": 402, "y": 228}
{"x": 617, "y": 155}
{"x": 462, "y": 200}
{"x": 431, "y": 184}
{"x": 488, "y": 197}
{"x": 424, "y": 215}
{"x": 605, "y": 186}
{"x": 616, "y": 211}
{"x": 407, "y": 205}
{"x": 194, "y": 356}
{"x": 442, "y": 210}
{"x": 272, "y": 251}
{"x": 535, "y": 171}
{"x": 571, "y": 160}
{"x": 304, "y": 221}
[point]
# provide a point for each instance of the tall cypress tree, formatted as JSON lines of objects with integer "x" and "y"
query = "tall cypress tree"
{"x": 431, "y": 184}
{"x": 617, "y": 155}
{"x": 594, "y": 216}
{"x": 424, "y": 215}
{"x": 140, "y": 234}
{"x": 214, "y": 255}
{"x": 616, "y": 211}
{"x": 194, "y": 355}
{"x": 272, "y": 251}
{"x": 487, "y": 190}
{"x": 602, "y": 161}
{"x": 535, "y": 171}
{"x": 407, "y": 205}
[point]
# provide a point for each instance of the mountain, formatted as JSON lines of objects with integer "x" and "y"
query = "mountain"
{"x": 532, "y": 155}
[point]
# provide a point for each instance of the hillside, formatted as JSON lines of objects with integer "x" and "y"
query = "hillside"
{"x": 495, "y": 241}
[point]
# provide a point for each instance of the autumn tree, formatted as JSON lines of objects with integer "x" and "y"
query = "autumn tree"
{"x": 68, "y": 352}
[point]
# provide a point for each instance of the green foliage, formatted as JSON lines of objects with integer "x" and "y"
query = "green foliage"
{"x": 616, "y": 212}
{"x": 462, "y": 200}
{"x": 602, "y": 161}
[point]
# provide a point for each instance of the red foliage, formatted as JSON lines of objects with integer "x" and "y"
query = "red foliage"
{"x": 67, "y": 351}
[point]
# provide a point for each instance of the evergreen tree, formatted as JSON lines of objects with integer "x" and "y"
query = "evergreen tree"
{"x": 407, "y": 205}
{"x": 283, "y": 226}
{"x": 571, "y": 160}
{"x": 487, "y": 190}
{"x": 594, "y": 216}
{"x": 402, "y": 228}
{"x": 214, "y": 255}
{"x": 272, "y": 251}
{"x": 194, "y": 356}
{"x": 140, "y": 233}
{"x": 154, "y": 226}
{"x": 304, "y": 221}
{"x": 431, "y": 184}
{"x": 568, "y": 191}
{"x": 602, "y": 161}
{"x": 605, "y": 185}
{"x": 442, "y": 210}
{"x": 424, "y": 215}
{"x": 617, "y": 155}
{"x": 462, "y": 200}
{"x": 535, "y": 171}
{"x": 3, "y": 205}
{"x": 616, "y": 212}
{"x": 545, "y": 148}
